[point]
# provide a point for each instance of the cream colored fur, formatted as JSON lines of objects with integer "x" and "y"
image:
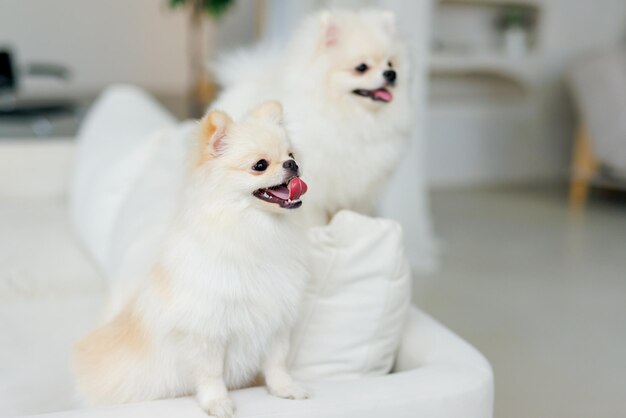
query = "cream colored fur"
{"x": 218, "y": 306}
{"x": 349, "y": 145}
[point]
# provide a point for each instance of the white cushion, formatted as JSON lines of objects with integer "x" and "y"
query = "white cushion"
{"x": 39, "y": 256}
{"x": 35, "y": 168}
{"x": 356, "y": 304}
{"x": 146, "y": 211}
{"x": 49, "y": 296}
{"x": 114, "y": 144}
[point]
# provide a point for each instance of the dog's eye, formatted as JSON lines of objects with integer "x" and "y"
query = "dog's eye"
{"x": 291, "y": 155}
{"x": 362, "y": 68}
{"x": 260, "y": 165}
{"x": 390, "y": 64}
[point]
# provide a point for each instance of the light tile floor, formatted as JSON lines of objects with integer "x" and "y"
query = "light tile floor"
{"x": 541, "y": 293}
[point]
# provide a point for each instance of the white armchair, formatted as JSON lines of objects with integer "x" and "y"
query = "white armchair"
{"x": 598, "y": 83}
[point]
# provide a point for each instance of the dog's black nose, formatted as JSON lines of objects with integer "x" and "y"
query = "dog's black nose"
{"x": 390, "y": 75}
{"x": 291, "y": 166}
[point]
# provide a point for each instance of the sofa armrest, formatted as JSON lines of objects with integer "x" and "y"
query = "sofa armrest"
{"x": 463, "y": 373}
{"x": 428, "y": 343}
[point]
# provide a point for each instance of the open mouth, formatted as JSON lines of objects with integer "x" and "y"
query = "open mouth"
{"x": 286, "y": 195}
{"x": 380, "y": 94}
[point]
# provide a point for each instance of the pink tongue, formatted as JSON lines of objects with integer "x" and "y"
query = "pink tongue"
{"x": 382, "y": 94}
{"x": 296, "y": 188}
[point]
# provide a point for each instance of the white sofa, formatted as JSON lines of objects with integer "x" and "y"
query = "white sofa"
{"x": 50, "y": 294}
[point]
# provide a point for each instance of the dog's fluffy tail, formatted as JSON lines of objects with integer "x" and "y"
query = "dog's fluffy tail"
{"x": 245, "y": 65}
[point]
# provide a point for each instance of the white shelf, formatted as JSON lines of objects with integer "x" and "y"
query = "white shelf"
{"x": 527, "y": 3}
{"x": 496, "y": 64}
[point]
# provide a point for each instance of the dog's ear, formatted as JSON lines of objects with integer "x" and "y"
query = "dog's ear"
{"x": 389, "y": 21}
{"x": 214, "y": 127}
{"x": 328, "y": 29}
{"x": 270, "y": 111}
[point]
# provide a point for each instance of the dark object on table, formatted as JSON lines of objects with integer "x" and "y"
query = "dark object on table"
{"x": 12, "y": 105}
{"x": 8, "y": 82}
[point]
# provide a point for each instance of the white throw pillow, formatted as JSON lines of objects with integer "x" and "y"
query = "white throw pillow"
{"x": 115, "y": 143}
{"x": 146, "y": 212}
{"x": 357, "y": 301}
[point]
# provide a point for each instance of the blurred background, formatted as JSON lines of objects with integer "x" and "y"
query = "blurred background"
{"x": 521, "y": 126}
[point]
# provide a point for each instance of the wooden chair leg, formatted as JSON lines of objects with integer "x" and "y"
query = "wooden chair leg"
{"x": 584, "y": 166}
{"x": 578, "y": 193}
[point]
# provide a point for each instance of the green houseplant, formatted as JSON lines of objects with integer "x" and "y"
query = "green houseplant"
{"x": 199, "y": 46}
{"x": 515, "y": 24}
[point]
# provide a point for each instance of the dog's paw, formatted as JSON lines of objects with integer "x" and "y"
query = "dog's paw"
{"x": 290, "y": 391}
{"x": 220, "y": 408}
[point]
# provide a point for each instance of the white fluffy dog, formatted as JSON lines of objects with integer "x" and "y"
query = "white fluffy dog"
{"x": 343, "y": 81}
{"x": 218, "y": 305}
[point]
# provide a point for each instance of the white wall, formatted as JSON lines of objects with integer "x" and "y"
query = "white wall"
{"x": 135, "y": 41}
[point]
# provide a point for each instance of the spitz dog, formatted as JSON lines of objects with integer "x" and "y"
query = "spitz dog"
{"x": 344, "y": 83}
{"x": 218, "y": 305}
